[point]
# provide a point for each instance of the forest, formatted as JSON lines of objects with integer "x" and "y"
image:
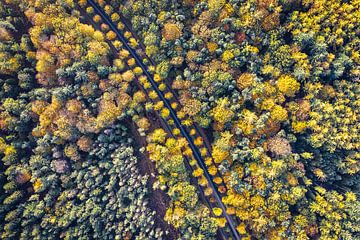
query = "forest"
{"x": 180, "y": 119}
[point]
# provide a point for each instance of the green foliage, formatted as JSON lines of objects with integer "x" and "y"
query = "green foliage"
{"x": 277, "y": 82}
{"x": 274, "y": 82}
{"x": 68, "y": 169}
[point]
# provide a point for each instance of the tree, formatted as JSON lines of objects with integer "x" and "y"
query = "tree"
{"x": 171, "y": 31}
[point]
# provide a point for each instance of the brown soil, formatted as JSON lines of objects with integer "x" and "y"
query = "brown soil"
{"x": 158, "y": 201}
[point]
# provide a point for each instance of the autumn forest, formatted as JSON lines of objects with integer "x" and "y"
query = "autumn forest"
{"x": 180, "y": 119}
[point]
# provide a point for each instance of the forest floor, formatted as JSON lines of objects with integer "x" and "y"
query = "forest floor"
{"x": 157, "y": 198}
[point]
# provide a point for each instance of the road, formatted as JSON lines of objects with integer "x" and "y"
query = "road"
{"x": 177, "y": 121}
{"x": 197, "y": 128}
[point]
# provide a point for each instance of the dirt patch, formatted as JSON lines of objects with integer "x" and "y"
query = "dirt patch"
{"x": 158, "y": 201}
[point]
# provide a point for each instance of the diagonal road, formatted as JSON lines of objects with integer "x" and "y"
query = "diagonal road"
{"x": 173, "y": 115}
{"x": 198, "y": 130}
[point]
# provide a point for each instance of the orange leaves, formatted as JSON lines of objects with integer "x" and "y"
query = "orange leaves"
{"x": 217, "y": 180}
{"x": 110, "y": 35}
{"x": 82, "y": 3}
{"x": 171, "y": 31}
{"x": 97, "y": 18}
{"x": 245, "y": 80}
{"x": 222, "y": 189}
{"x": 84, "y": 143}
{"x": 212, "y": 46}
{"x": 198, "y": 172}
{"x": 191, "y": 106}
{"x": 73, "y": 106}
{"x": 128, "y": 76}
{"x": 38, "y": 106}
{"x": 22, "y": 176}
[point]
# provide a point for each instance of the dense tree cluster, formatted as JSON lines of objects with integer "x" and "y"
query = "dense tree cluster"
{"x": 277, "y": 85}
{"x": 185, "y": 210}
{"x": 274, "y": 84}
{"x": 68, "y": 169}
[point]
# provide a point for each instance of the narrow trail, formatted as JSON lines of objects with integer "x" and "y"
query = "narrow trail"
{"x": 177, "y": 121}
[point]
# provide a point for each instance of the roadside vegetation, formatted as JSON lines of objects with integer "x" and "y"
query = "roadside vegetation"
{"x": 267, "y": 91}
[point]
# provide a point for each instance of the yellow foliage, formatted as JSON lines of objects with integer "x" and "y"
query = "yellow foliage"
{"x": 319, "y": 174}
{"x": 222, "y": 113}
{"x": 158, "y": 105}
{"x": 198, "y": 172}
{"x": 175, "y": 216}
{"x": 219, "y": 155}
{"x": 37, "y": 184}
{"x": 151, "y": 50}
{"x": 158, "y": 136}
{"x": 279, "y": 113}
{"x": 298, "y": 126}
{"x": 162, "y": 86}
{"x": 350, "y": 197}
{"x": 115, "y": 17}
{"x": 227, "y": 56}
{"x": 139, "y": 97}
{"x": 216, "y": 5}
{"x": 157, "y": 77}
{"x": 203, "y": 182}
{"x": 9, "y": 150}
{"x": 288, "y": 85}
{"x": 169, "y": 95}
{"x": 217, "y": 211}
{"x": 171, "y": 31}
{"x": 212, "y": 170}
{"x": 241, "y": 228}
{"x": 123, "y": 54}
{"x": 212, "y": 46}
{"x": 176, "y": 131}
{"x": 165, "y": 113}
{"x": 221, "y": 222}
{"x": 127, "y": 34}
{"x": 267, "y": 104}
{"x": 138, "y": 71}
{"x": 38, "y": 106}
